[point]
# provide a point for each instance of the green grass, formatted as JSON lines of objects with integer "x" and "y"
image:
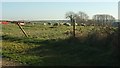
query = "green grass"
{"x": 51, "y": 46}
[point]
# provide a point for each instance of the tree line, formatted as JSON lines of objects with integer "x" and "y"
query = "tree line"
{"x": 82, "y": 17}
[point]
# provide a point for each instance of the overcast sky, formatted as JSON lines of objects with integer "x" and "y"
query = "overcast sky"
{"x": 20, "y": 10}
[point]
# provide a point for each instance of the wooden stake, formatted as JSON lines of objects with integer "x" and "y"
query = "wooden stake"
{"x": 73, "y": 21}
{"x": 22, "y": 30}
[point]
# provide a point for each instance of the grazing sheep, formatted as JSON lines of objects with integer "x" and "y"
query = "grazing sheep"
{"x": 56, "y": 24}
{"x": 82, "y": 24}
{"x": 44, "y": 24}
{"x": 67, "y": 24}
{"x": 76, "y": 24}
{"x": 49, "y": 23}
{"x": 22, "y": 24}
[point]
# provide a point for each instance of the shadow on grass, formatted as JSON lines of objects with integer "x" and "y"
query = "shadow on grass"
{"x": 69, "y": 51}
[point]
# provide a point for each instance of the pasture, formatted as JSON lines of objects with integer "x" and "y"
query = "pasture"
{"x": 49, "y": 45}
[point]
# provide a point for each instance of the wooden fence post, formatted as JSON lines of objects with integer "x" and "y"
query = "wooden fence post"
{"x": 73, "y": 21}
{"x": 22, "y": 29}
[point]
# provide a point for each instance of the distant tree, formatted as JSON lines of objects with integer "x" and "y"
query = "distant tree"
{"x": 72, "y": 16}
{"x": 82, "y": 17}
{"x": 104, "y": 19}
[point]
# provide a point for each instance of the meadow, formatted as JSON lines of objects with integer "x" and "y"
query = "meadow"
{"x": 51, "y": 46}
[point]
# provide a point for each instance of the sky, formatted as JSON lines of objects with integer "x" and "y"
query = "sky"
{"x": 29, "y": 10}
{"x": 60, "y": 0}
{"x": 119, "y": 10}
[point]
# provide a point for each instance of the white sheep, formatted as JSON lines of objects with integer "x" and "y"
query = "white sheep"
{"x": 44, "y": 24}
{"x": 76, "y": 24}
{"x": 67, "y": 24}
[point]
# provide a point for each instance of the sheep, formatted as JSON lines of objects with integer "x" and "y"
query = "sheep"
{"x": 76, "y": 24}
{"x": 56, "y": 24}
{"x": 67, "y": 24}
{"x": 82, "y": 24}
{"x": 22, "y": 24}
{"x": 44, "y": 24}
{"x": 49, "y": 23}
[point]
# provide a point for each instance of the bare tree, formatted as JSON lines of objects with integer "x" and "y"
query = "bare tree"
{"x": 103, "y": 19}
{"x": 82, "y": 17}
{"x": 72, "y": 16}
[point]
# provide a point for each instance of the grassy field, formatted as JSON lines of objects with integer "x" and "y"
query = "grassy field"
{"x": 47, "y": 45}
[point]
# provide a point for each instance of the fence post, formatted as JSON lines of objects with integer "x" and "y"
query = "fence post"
{"x": 22, "y": 29}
